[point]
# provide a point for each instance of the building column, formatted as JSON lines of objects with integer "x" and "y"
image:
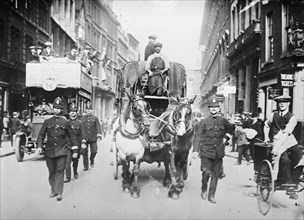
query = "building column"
{"x": 261, "y": 102}
{"x": 247, "y": 88}
{"x": 241, "y": 74}
{"x": 68, "y": 16}
{"x": 61, "y": 11}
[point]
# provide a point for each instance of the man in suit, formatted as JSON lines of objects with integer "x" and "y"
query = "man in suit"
{"x": 92, "y": 133}
{"x": 149, "y": 50}
{"x": 59, "y": 133}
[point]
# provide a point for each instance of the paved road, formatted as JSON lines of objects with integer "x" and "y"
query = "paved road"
{"x": 96, "y": 195}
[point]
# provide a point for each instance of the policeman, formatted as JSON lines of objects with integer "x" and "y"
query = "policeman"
{"x": 209, "y": 140}
{"x": 59, "y": 133}
{"x": 78, "y": 131}
{"x": 92, "y": 132}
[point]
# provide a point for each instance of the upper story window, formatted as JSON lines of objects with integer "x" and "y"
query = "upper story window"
{"x": 29, "y": 41}
{"x": 42, "y": 17}
{"x": 269, "y": 36}
{"x": 15, "y": 44}
{"x": 2, "y": 38}
{"x": 285, "y": 21}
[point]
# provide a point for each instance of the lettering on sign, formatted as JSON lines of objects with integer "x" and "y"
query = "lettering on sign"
{"x": 287, "y": 83}
{"x": 274, "y": 92}
{"x": 286, "y": 76}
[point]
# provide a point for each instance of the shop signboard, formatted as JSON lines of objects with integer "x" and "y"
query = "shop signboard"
{"x": 274, "y": 92}
{"x": 287, "y": 80}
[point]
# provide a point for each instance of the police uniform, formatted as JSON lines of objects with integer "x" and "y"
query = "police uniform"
{"x": 91, "y": 131}
{"x": 209, "y": 142}
{"x": 78, "y": 131}
{"x": 58, "y": 134}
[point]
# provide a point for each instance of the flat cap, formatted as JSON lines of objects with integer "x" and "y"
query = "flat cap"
{"x": 158, "y": 44}
{"x": 283, "y": 98}
{"x": 48, "y": 44}
{"x": 152, "y": 37}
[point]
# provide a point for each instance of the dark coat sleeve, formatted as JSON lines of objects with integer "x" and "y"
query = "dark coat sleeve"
{"x": 198, "y": 133}
{"x": 41, "y": 134}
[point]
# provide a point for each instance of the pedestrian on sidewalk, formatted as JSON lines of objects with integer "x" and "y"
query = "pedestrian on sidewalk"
{"x": 59, "y": 133}
{"x": 92, "y": 133}
{"x": 73, "y": 154}
{"x": 14, "y": 125}
{"x": 1, "y": 129}
{"x": 209, "y": 141}
{"x": 242, "y": 143}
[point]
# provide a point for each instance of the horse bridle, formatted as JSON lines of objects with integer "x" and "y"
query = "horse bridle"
{"x": 176, "y": 111}
{"x": 139, "y": 116}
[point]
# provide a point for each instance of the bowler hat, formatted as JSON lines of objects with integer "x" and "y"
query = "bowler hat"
{"x": 58, "y": 103}
{"x": 152, "y": 37}
{"x": 213, "y": 102}
{"x": 283, "y": 98}
{"x": 158, "y": 44}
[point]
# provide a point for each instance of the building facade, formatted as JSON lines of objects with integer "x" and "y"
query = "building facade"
{"x": 244, "y": 52}
{"x": 282, "y": 58}
{"x": 214, "y": 39}
{"x": 23, "y": 24}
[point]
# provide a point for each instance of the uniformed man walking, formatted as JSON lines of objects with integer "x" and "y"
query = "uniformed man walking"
{"x": 58, "y": 133}
{"x": 92, "y": 133}
{"x": 78, "y": 131}
{"x": 209, "y": 140}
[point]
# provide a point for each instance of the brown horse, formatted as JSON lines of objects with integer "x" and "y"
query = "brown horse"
{"x": 176, "y": 131}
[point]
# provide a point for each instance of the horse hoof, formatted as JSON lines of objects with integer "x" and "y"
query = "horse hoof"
{"x": 173, "y": 195}
{"x": 126, "y": 190}
{"x": 135, "y": 195}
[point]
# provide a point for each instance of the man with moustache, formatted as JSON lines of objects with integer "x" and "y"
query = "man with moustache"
{"x": 209, "y": 142}
{"x": 59, "y": 133}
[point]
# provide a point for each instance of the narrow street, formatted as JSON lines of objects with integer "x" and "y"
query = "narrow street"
{"x": 96, "y": 195}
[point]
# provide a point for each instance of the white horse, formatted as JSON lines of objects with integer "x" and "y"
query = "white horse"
{"x": 131, "y": 131}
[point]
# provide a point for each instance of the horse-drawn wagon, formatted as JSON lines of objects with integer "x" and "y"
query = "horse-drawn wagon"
{"x": 154, "y": 127}
{"x": 59, "y": 77}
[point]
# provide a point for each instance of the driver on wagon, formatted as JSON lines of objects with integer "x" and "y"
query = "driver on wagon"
{"x": 157, "y": 63}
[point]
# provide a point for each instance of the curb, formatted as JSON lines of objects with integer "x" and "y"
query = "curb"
{"x": 7, "y": 154}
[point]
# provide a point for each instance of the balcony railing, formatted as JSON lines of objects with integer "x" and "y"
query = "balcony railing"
{"x": 251, "y": 31}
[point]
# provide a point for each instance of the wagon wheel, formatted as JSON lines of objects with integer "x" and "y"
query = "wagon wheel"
{"x": 186, "y": 168}
{"x": 19, "y": 150}
{"x": 115, "y": 161}
{"x": 265, "y": 187}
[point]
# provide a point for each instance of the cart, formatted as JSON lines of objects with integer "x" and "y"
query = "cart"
{"x": 265, "y": 179}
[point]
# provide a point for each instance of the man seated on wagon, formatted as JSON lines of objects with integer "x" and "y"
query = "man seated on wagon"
{"x": 157, "y": 66}
{"x": 282, "y": 123}
{"x": 43, "y": 108}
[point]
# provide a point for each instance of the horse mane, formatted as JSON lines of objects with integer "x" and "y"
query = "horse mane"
{"x": 126, "y": 112}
